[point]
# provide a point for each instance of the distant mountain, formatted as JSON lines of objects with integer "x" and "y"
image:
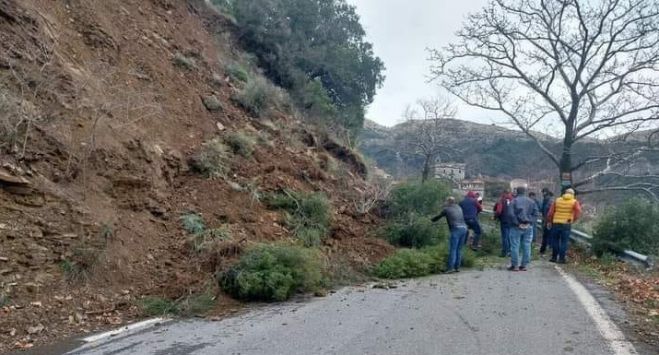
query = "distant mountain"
{"x": 486, "y": 149}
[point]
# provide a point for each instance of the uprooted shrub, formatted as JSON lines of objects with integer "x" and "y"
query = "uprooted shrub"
{"x": 629, "y": 226}
{"x": 420, "y": 262}
{"x": 273, "y": 273}
{"x": 308, "y": 214}
{"x": 212, "y": 160}
{"x": 413, "y": 263}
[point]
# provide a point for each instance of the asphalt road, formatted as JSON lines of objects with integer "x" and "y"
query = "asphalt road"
{"x": 475, "y": 312}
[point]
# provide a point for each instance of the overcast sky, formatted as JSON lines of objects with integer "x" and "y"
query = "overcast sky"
{"x": 401, "y": 30}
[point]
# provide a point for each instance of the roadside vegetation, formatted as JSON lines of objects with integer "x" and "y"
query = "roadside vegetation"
{"x": 411, "y": 206}
{"x": 274, "y": 272}
{"x": 196, "y": 304}
{"x": 307, "y": 214}
{"x": 632, "y": 225}
{"x": 425, "y": 244}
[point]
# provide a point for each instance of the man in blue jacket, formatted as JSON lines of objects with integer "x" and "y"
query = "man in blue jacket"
{"x": 525, "y": 211}
{"x": 470, "y": 209}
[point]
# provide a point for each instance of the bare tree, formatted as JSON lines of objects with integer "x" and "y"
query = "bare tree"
{"x": 587, "y": 67}
{"x": 422, "y": 134}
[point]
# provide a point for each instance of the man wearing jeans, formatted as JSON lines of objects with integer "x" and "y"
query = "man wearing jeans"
{"x": 503, "y": 213}
{"x": 547, "y": 202}
{"x": 458, "y": 229}
{"x": 525, "y": 211}
{"x": 470, "y": 210}
{"x": 565, "y": 211}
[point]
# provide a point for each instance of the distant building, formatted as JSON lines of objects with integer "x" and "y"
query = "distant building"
{"x": 475, "y": 185}
{"x": 515, "y": 183}
{"x": 451, "y": 171}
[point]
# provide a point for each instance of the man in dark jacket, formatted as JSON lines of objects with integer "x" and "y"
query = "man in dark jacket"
{"x": 547, "y": 201}
{"x": 470, "y": 209}
{"x": 458, "y": 230}
{"x": 503, "y": 213}
{"x": 525, "y": 211}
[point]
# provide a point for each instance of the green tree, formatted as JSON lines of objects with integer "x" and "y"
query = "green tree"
{"x": 298, "y": 41}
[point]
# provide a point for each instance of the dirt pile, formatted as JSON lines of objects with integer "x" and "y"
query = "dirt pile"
{"x": 103, "y": 104}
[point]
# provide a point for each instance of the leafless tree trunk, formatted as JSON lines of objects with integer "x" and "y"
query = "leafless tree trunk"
{"x": 587, "y": 67}
{"x": 422, "y": 133}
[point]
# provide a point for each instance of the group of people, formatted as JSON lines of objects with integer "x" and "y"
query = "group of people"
{"x": 518, "y": 215}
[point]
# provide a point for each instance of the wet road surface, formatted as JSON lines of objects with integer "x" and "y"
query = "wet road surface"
{"x": 474, "y": 312}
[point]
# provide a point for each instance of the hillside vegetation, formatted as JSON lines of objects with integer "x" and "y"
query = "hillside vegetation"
{"x": 140, "y": 144}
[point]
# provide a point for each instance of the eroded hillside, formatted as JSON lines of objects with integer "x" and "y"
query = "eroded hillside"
{"x": 107, "y": 108}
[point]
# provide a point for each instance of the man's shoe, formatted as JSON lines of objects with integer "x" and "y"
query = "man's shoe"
{"x": 457, "y": 270}
{"x": 562, "y": 262}
{"x": 552, "y": 260}
{"x": 449, "y": 271}
{"x": 522, "y": 268}
{"x": 512, "y": 268}
{"x": 502, "y": 255}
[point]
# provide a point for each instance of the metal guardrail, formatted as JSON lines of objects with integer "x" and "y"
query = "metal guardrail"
{"x": 584, "y": 238}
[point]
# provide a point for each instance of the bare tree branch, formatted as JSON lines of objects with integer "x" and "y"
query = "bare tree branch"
{"x": 590, "y": 66}
{"x": 422, "y": 134}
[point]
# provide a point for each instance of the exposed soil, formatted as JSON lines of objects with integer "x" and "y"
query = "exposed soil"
{"x": 103, "y": 177}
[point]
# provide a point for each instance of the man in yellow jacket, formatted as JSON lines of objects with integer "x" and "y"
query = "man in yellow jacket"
{"x": 562, "y": 214}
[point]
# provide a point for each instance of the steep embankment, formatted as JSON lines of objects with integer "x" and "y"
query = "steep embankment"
{"x": 104, "y": 104}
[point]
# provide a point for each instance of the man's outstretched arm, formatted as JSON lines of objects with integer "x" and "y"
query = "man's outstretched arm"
{"x": 439, "y": 216}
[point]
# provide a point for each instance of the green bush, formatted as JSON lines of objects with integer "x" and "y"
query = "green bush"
{"x": 286, "y": 200}
{"x": 414, "y": 232}
{"x": 632, "y": 225}
{"x": 413, "y": 263}
{"x": 237, "y": 72}
{"x": 240, "y": 143}
{"x": 411, "y": 206}
{"x": 193, "y": 223}
{"x": 424, "y": 199}
{"x": 314, "y": 99}
{"x": 273, "y": 273}
{"x": 158, "y": 306}
{"x": 307, "y": 214}
{"x": 491, "y": 243}
{"x": 277, "y": 32}
{"x": 182, "y": 61}
{"x": 212, "y": 161}
{"x": 202, "y": 239}
{"x": 196, "y": 304}
{"x": 468, "y": 258}
{"x": 260, "y": 96}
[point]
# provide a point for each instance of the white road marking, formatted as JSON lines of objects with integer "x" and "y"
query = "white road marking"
{"x": 131, "y": 328}
{"x": 609, "y": 331}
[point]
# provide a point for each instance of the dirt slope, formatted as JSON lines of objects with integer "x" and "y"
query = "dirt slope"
{"x": 99, "y": 121}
